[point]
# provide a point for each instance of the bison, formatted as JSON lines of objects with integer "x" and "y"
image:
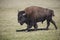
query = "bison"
{"x": 33, "y": 14}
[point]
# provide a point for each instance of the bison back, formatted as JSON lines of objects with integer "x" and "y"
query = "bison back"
{"x": 36, "y": 12}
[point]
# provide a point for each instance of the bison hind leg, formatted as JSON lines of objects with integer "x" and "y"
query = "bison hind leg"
{"x": 42, "y": 22}
{"x": 48, "y": 24}
{"x": 35, "y": 26}
{"x": 54, "y": 24}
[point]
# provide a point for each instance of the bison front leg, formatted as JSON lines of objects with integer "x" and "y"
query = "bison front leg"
{"x": 28, "y": 27}
{"x": 35, "y": 26}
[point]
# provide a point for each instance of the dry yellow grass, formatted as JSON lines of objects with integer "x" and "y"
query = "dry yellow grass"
{"x": 9, "y": 23}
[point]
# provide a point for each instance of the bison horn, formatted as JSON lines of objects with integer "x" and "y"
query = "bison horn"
{"x": 24, "y": 14}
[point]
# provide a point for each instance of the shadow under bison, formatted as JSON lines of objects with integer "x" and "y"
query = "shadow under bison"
{"x": 23, "y": 30}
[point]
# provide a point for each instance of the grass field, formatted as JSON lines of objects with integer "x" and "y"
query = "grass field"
{"x": 9, "y": 23}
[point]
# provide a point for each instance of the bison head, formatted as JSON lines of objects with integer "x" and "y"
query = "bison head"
{"x": 21, "y": 17}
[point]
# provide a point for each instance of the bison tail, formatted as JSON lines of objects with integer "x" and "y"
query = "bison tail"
{"x": 52, "y": 12}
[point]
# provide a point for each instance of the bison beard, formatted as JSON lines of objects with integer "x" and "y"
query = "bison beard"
{"x": 38, "y": 14}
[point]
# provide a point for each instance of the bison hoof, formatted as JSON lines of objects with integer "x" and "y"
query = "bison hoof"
{"x": 27, "y": 30}
{"x": 47, "y": 28}
{"x": 56, "y": 28}
{"x": 35, "y": 29}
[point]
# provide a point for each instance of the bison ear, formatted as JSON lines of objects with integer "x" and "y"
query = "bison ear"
{"x": 24, "y": 14}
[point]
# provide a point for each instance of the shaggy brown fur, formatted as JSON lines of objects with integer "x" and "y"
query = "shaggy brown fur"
{"x": 36, "y": 12}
